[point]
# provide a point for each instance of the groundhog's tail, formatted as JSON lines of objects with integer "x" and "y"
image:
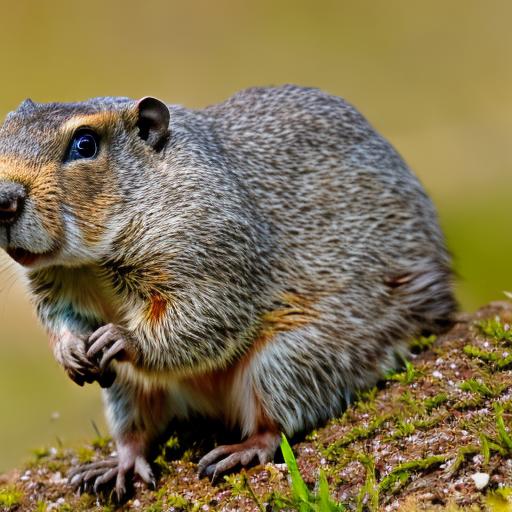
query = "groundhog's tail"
{"x": 426, "y": 291}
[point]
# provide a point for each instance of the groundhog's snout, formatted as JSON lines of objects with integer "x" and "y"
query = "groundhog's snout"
{"x": 12, "y": 197}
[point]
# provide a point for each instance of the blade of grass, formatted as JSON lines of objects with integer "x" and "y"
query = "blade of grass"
{"x": 300, "y": 490}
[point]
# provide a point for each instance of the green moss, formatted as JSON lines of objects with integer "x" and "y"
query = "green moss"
{"x": 499, "y": 360}
{"x": 368, "y": 496}
{"x": 413, "y": 406}
{"x": 403, "y": 429}
{"x": 10, "y": 497}
{"x": 503, "y": 435}
{"x": 157, "y": 506}
{"x": 495, "y": 329}
{"x": 422, "y": 343}
{"x": 406, "y": 428}
{"x": 429, "y": 422}
{"x": 176, "y": 501}
{"x": 400, "y": 475}
{"x": 85, "y": 455}
{"x": 405, "y": 377}
{"x": 168, "y": 452}
{"x": 101, "y": 442}
{"x": 189, "y": 455}
{"x": 462, "y": 454}
{"x": 481, "y": 388}
{"x": 87, "y": 502}
{"x": 357, "y": 433}
{"x": 57, "y": 465}
{"x": 366, "y": 400}
{"x": 499, "y": 500}
{"x": 278, "y": 501}
{"x": 240, "y": 486}
{"x": 40, "y": 453}
{"x": 469, "y": 403}
{"x": 490, "y": 445}
{"x": 435, "y": 401}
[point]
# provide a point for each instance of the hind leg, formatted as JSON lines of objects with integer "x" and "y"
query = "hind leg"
{"x": 136, "y": 416}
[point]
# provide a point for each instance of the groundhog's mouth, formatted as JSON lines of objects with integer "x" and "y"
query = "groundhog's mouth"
{"x": 24, "y": 257}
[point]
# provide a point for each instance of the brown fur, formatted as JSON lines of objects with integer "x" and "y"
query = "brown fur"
{"x": 157, "y": 308}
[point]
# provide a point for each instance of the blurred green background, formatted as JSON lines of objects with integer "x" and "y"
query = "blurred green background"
{"x": 434, "y": 77}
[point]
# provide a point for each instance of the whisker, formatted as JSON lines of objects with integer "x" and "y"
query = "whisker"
{"x": 9, "y": 282}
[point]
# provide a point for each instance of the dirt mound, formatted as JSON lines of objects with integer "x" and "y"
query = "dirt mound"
{"x": 437, "y": 435}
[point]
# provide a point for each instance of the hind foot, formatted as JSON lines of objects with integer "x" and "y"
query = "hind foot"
{"x": 259, "y": 447}
{"x": 98, "y": 474}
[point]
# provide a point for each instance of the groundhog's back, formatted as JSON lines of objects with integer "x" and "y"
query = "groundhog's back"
{"x": 331, "y": 188}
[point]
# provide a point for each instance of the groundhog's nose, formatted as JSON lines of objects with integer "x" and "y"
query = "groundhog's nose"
{"x": 12, "y": 196}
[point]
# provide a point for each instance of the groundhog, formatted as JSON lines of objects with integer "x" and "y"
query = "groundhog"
{"x": 257, "y": 262}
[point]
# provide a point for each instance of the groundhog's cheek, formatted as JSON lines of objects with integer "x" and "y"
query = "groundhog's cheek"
{"x": 89, "y": 193}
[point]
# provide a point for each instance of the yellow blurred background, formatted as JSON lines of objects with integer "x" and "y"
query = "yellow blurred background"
{"x": 434, "y": 77}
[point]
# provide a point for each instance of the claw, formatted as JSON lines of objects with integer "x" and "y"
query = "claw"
{"x": 100, "y": 331}
{"x": 111, "y": 353}
{"x": 120, "y": 486}
{"x": 207, "y": 461}
{"x": 81, "y": 478}
{"x": 99, "y": 339}
{"x": 101, "y": 464}
{"x": 98, "y": 474}
{"x": 105, "y": 478}
{"x": 260, "y": 447}
{"x": 143, "y": 469}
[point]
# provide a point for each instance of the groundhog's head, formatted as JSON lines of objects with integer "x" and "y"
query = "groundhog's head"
{"x": 65, "y": 175}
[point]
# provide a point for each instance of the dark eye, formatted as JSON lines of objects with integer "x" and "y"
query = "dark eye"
{"x": 85, "y": 144}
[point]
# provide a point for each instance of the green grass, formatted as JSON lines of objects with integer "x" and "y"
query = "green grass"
{"x": 303, "y": 499}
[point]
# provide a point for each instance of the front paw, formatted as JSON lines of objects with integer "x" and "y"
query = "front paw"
{"x": 108, "y": 343}
{"x": 70, "y": 352}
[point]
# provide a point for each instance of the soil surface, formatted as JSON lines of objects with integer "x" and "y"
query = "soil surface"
{"x": 436, "y": 436}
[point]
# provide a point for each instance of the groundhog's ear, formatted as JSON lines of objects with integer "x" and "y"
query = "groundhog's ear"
{"x": 153, "y": 122}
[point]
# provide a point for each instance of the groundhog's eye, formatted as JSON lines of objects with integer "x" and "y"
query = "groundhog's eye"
{"x": 85, "y": 144}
